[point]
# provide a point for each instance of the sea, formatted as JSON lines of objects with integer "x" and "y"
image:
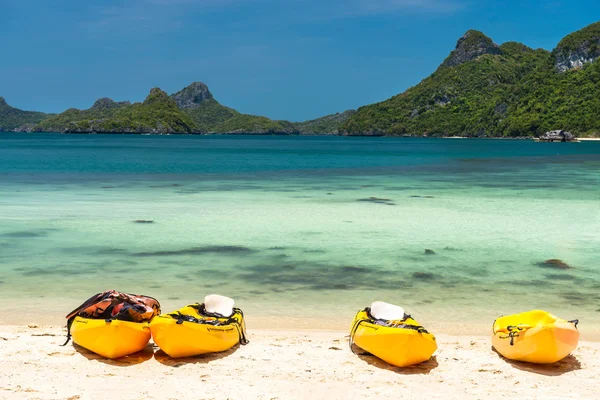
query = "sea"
{"x": 302, "y": 231}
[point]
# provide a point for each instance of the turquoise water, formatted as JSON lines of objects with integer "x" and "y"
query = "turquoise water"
{"x": 312, "y": 227}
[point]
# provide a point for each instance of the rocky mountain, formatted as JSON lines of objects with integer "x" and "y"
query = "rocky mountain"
{"x": 469, "y": 47}
{"x": 485, "y": 90}
{"x": 192, "y": 96}
{"x": 206, "y": 112}
{"x": 12, "y": 118}
{"x": 578, "y": 48}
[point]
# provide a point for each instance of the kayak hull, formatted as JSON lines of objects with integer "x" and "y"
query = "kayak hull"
{"x": 542, "y": 338}
{"x": 110, "y": 339}
{"x": 187, "y": 339}
{"x": 397, "y": 346}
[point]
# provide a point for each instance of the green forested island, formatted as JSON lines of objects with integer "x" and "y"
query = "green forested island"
{"x": 480, "y": 90}
{"x": 511, "y": 90}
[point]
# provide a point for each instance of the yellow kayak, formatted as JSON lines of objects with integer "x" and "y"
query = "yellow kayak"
{"x": 191, "y": 331}
{"x": 111, "y": 339}
{"x": 402, "y": 343}
{"x": 535, "y": 336}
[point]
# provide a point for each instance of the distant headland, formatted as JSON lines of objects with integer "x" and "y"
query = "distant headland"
{"x": 480, "y": 90}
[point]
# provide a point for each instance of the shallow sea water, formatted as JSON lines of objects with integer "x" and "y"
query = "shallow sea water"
{"x": 301, "y": 231}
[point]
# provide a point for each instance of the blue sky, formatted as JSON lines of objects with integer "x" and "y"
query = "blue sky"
{"x": 286, "y": 59}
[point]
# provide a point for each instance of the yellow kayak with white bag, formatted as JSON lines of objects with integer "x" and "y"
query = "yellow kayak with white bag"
{"x": 387, "y": 332}
{"x": 209, "y": 327}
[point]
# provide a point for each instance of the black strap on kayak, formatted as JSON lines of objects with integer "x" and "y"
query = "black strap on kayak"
{"x": 513, "y": 332}
{"x": 201, "y": 309}
{"x": 242, "y": 334}
{"x": 69, "y": 323}
{"x": 353, "y": 333}
{"x": 230, "y": 320}
{"x": 181, "y": 318}
{"x": 574, "y": 322}
{"x": 512, "y": 336}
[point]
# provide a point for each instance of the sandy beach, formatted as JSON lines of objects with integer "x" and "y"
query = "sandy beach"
{"x": 283, "y": 365}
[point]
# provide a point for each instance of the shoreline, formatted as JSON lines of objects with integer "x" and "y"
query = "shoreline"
{"x": 290, "y": 135}
{"x": 282, "y": 365}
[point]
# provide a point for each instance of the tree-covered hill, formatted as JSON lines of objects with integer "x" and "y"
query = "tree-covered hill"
{"x": 482, "y": 89}
{"x": 157, "y": 114}
{"x": 12, "y": 118}
{"x": 210, "y": 114}
{"x": 244, "y": 123}
{"x": 328, "y": 124}
{"x": 191, "y": 110}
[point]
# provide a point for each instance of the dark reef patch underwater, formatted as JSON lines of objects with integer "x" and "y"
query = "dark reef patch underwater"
{"x": 233, "y": 250}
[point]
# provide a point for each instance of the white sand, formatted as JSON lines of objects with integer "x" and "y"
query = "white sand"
{"x": 284, "y": 365}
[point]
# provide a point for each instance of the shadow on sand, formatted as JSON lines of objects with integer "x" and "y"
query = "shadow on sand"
{"x": 568, "y": 364}
{"x": 164, "y": 359}
{"x": 423, "y": 368}
{"x": 127, "y": 361}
